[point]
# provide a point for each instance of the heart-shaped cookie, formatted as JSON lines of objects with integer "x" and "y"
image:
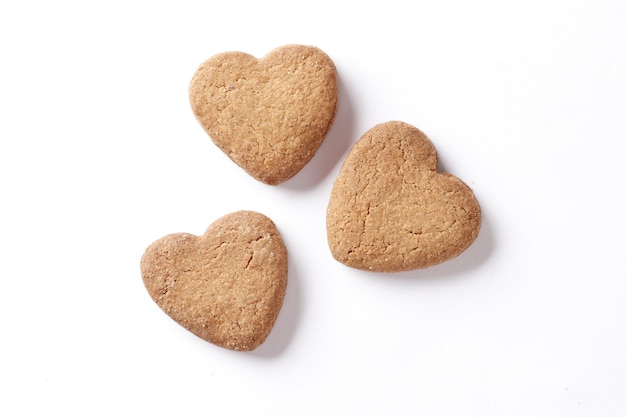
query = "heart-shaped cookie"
{"x": 269, "y": 115}
{"x": 226, "y": 286}
{"x": 391, "y": 210}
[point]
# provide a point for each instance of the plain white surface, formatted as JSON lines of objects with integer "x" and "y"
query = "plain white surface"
{"x": 100, "y": 155}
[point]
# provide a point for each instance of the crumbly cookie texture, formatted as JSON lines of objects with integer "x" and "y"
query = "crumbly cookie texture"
{"x": 269, "y": 115}
{"x": 226, "y": 286}
{"x": 390, "y": 209}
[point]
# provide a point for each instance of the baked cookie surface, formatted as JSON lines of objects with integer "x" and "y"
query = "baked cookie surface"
{"x": 391, "y": 210}
{"x": 226, "y": 286}
{"x": 269, "y": 115}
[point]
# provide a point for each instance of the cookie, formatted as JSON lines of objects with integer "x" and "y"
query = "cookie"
{"x": 269, "y": 115}
{"x": 226, "y": 286}
{"x": 391, "y": 210}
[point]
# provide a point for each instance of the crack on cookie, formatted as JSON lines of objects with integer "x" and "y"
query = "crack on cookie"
{"x": 249, "y": 260}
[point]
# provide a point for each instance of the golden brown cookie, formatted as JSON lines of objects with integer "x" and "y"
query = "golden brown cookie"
{"x": 391, "y": 210}
{"x": 226, "y": 286}
{"x": 269, "y": 115}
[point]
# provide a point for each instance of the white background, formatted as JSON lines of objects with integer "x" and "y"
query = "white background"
{"x": 100, "y": 155}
